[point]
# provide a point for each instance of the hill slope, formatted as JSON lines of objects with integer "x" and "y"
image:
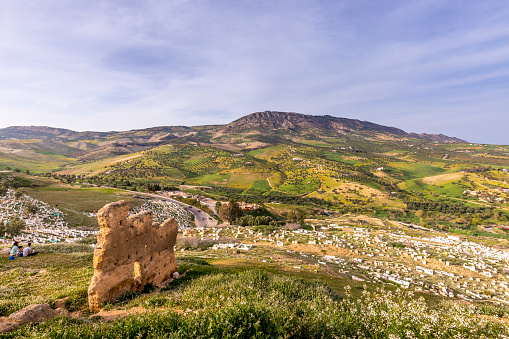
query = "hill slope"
{"x": 267, "y": 122}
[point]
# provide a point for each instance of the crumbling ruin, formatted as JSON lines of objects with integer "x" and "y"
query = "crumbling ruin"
{"x": 130, "y": 253}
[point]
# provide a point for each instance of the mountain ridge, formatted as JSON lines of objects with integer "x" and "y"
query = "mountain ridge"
{"x": 265, "y": 122}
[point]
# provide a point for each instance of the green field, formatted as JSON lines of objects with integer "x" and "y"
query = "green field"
{"x": 35, "y": 162}
{"x": 215, "y": 179}
{"x": 74, "y": 201}
{"x": 45, "y": 277}
{"x": 305, "y": 186}
{"x": 405, "y": 171}
{"x": 266, "y": 153}
{"x": 259, "y": 187}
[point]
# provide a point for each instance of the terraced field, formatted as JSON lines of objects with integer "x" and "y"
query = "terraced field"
{"x": 338, "y": 174}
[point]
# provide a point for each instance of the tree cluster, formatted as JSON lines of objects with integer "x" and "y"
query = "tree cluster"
{"x": 250, "y": 220}
{"x": 13, "y": 226}
{"x": 230, "y": 211}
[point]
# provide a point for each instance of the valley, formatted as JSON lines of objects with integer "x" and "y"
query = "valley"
{"x": 352, "y": 208}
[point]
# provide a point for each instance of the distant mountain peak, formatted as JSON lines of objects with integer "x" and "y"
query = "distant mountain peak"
{"x": 306, "y": 123}
{"x": 263, "y": 123}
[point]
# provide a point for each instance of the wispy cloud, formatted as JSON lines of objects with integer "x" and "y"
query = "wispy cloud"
{"x": 424, "y": 66}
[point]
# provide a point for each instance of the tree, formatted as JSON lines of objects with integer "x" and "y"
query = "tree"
{"x": 230, "y": 211}
{"x": 420, "y": 213}
{"x": 13, "y": 226}
{"x": 296, "y": 216}
{"x": 3, "y": 190}
{"x": 31, "y": 208}
{"x": 18, "y": 194}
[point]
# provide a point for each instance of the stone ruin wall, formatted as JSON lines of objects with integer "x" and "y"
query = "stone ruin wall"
{"x": 130, "y": 253}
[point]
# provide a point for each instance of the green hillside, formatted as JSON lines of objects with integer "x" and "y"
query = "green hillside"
{"x": 355, "y": 176}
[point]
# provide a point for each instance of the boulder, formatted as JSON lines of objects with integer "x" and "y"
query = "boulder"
{"x": 32, "y": 314}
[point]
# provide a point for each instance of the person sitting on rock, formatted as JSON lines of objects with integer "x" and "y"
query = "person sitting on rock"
{"x": 27, "y": 251}
{"x": 19, "y": 252}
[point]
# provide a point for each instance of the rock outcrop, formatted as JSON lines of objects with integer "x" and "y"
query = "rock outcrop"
{"x": 31, "y": 314}
{"x": 130, "y": 253}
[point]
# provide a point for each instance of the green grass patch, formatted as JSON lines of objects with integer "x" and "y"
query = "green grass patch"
{"x": 73, "y": 201}
{"x": 259, "y": 187}
{"x": 257, "y": 304}
{"x": 44, "y": 277}
{"x": 215, "y": 179}
{"x": 266, "y": 153}
{"x": 34, "y": 161}
{"x": 404, "y": 171}
{"x": 305, "y": 186}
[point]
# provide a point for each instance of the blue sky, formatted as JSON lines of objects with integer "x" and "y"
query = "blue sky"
{"x": 423, "y": 66}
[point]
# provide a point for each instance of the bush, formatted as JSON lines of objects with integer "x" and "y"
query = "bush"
{"x": 77, "y": 302}
{"x": 91, "y": 240}
{"x": 194, "y": 243}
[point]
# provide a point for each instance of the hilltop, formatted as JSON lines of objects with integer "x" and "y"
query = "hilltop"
{"x": 48, "y": 144}
{"x": 312, "y": 125}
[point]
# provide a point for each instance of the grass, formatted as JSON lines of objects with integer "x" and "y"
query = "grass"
{"x": 236, "y": 296}
{"x": 334, "y": 156}
{"x": 259, "y": 187}
{"x": 244, "y": 179}
{"x": 450, "y": 189}
{"x": 99, "y": 166}
{"x": 404, "y": 171}
{"x": 442, "y": 178}
{"x": 266, "y": 153}
{"x": 257, "y": 304}
{"x": 74, "y": 201}
{"x": 33, "y": 161}
{"x": 314, "y": 143}
{"x": 304, "y": 186}
{"x": 216, "y": 179}
{"x": 45, "y": 277}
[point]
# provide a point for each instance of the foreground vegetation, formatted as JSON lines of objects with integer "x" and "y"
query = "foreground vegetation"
{"x": 211, "y": 301}
{"x": 254, "y": 304}
{"x": 59, "y": 270}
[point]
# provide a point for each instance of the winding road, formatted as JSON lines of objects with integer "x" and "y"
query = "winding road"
{"x": 201, "y": 219}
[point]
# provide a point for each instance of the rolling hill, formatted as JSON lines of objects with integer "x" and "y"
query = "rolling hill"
{"x": 251, "y": 131}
